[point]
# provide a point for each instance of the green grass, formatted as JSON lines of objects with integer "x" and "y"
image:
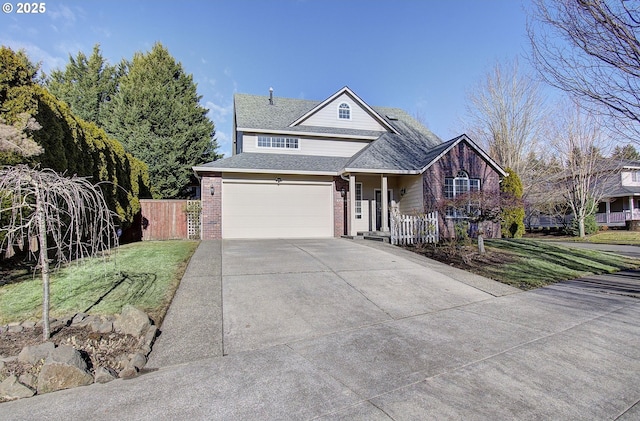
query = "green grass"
{"x": 144, "y": 274}
{"x": 603, "y": 237}
{"x": 615, "y": 237}
{"x": 529, "y": 264}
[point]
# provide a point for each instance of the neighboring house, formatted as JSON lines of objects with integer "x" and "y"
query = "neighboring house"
{"x": 621, "y": 206}
{"x": 328, "y": 168}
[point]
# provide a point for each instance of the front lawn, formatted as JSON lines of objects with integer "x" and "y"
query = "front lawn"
{"x": 528, "y": 264}
{"x": 144, "y": 274}
{"x": 615, "y": 237}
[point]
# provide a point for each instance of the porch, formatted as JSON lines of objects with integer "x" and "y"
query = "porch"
{"x": 617, "y": 211}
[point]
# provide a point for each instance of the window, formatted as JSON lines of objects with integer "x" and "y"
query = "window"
{"x": 358, "y": 200}
{"x": 277, "y": 142}
{"x": 635, "y": 176}
{"x": 457, "y": 186}
{"x": 344, "y": 111}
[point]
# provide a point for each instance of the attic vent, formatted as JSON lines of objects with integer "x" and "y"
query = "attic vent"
{"x": 392, "y": 117}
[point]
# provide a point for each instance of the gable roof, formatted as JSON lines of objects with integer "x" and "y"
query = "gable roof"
{"x": 254, "y": 113}
{"x": 409, "y": 155}
{"x": 353, "y": 96}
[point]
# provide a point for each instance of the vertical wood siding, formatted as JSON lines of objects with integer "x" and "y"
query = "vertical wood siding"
{"x": 164, "y": 219}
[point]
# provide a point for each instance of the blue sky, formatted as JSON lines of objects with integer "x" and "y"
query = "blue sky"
{"x": 422, "y": 56}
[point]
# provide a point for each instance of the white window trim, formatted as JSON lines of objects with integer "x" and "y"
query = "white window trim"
{"x": 271, "y": 138}
{"x": 462, "y": 175}
{"x": 348, "y": 109}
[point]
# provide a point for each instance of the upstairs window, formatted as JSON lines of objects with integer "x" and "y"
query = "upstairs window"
{"x": 277, "y": 142}
{"x": 635, "y": 176}
{"x": 344, "y": 111}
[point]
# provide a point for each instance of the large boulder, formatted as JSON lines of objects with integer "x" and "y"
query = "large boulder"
{"x": 11, "y": 388}
{"x": 64, "y": 368}
{"x": 33, "y": 354}
{"x": 132, "y": 321}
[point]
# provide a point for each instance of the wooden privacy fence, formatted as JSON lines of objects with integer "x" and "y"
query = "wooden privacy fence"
{"x": 413, "y": 229}
{"x": 170, "y": 219}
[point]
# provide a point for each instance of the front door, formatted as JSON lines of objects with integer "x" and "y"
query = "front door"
{"x": 378, "y": 195}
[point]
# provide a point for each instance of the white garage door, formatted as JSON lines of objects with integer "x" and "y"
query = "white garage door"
{"x": 265, "y": 209}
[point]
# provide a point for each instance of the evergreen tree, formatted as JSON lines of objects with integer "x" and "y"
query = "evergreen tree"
{"x": 39, "y": 130}
{"x": 513, "y": 215}
{"x": 86, "y": 85}
{"x": 157, "y": 116}
{"x": 627, "y": 152}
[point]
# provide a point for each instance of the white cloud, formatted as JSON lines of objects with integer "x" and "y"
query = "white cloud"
{"x": 62, "y": 13}
{"x": 37, "y": 55}
{"x": 218, "y": 113}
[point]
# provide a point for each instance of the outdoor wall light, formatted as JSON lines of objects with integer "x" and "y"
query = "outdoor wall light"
{"x": 343, "y": 192}
{"x": 403, "y": 191}
{"x": 213, "y": 190}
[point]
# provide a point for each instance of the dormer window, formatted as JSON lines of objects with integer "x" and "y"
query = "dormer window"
{"x": 344, "y": 111}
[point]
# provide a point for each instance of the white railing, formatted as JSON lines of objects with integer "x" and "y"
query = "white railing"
{"x": 410, "y": 229}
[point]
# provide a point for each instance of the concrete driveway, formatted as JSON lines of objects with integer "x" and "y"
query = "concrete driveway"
{"x": 337, "y": 329}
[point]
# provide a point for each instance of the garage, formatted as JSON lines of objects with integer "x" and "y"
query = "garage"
{"x": 276, "y": 208}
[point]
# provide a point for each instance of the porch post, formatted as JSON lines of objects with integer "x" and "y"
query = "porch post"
{"x": 384, "y": 196}
{"x": 607, "y": 205}
{"x": 631, "y": 208}
{"x": 352, "y": 205}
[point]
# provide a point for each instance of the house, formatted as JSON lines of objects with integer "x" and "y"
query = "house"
{"x": 329, "y": 168}
{"x": 621, "y": 205}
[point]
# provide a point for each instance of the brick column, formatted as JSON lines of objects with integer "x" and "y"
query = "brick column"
{"x": 211, "y": 206}
{"x": 339, "y": 217}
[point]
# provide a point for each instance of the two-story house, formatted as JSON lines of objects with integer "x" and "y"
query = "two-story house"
{"x": 621, "y": 206}
{"x": 304, "y": 168}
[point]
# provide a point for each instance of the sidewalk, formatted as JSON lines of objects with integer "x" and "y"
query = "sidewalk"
{"x": 195, "y": 313}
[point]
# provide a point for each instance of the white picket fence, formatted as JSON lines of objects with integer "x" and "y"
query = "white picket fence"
{"x": 410, "y": 229}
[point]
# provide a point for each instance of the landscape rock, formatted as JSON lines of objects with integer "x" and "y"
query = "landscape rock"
{"x": 64, "y": 368}
{"x": 105, "y": 375}
{"x": 11, "y": 388}
{"x": 28, "y": 324}
{"x": 33, "y": 354}
{"x": 28, "y": 379}
{"x": 138, "y": 361}
{"x": 101, "y": 326}
{"x": 132, "y": 321}
{"x": 14, "y": 328}
{"x": 79, "y": 317}
{"x": 129, "y": 372}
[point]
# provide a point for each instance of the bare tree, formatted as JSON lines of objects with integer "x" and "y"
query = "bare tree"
{"x": 505, "y": 113}
{"x": 68, "y": 216}
{"x": 590, "y": 49}
{"x": 577, "y": 142}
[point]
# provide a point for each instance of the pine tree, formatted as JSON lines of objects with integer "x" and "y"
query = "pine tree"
{"x": 157, "y": 116}
{"x": 626, "y": 152}
{"x": 86, "y": 85}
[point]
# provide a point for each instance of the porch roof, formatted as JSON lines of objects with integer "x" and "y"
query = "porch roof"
{"x": 248, "y": 162}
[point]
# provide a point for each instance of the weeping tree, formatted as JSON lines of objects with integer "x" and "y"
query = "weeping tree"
{"x": 58, "y": 219}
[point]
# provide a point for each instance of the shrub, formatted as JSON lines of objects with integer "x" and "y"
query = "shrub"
{"x": 512, "y": 218}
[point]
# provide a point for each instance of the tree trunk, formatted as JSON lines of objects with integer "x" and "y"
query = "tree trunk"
{"x": 44, "y": 264}
{"x": 581, "y": 227}
{"x": 481, "y": 244}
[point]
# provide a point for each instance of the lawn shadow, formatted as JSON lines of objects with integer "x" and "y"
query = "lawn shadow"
{"x": 137, "y": 286}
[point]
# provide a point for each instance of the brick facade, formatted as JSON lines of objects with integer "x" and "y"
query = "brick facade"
{"x": 211, "y": 206}
{"x": 340, "y": 216}
{"x": 460, "y": 158}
